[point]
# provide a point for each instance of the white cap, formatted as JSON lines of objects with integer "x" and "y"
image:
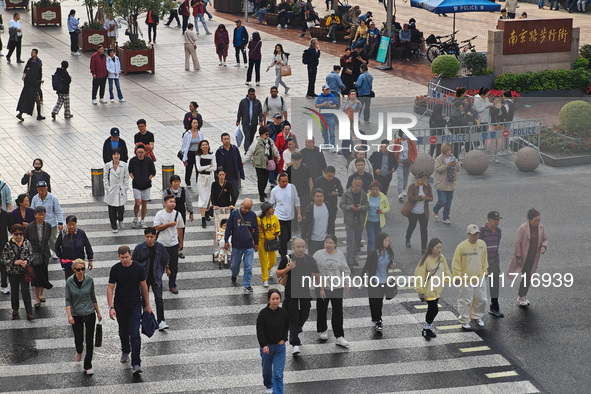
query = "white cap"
{"x": 472, "y": 229}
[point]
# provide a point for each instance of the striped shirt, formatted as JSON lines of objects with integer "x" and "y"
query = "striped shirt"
{"x": 492, "y": 241}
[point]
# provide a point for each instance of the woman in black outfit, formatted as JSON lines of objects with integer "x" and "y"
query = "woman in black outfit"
{"x": 437, "y": 123}
{"x": 32, "y": 177}
{"x": 71, "y": 244}
{"x": 23, "y": 214}
{"x": 192, "y": 114}
{"x": 222, "y": 194}
{"x": 254, "y": 58}
{"x": 38, "y": 233}
{"x": 272, "y": 328}
{"x": 379, "y": 260}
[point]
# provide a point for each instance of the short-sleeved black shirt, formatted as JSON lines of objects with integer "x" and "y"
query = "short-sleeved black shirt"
{"x": 144, "y": 139}
{"x": 300, "y": 178}
{"x": 305, "y": 266}
{"x": 127, "y": 283}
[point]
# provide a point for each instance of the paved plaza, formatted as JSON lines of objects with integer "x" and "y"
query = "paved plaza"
{"x": 211, "y": 346}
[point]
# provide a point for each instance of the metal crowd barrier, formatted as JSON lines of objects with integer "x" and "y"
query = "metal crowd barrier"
{"x": 497, "y": 139}
{"x": 437, "y": 94}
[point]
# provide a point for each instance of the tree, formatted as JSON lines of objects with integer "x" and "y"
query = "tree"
{"x": 129, "y": 10}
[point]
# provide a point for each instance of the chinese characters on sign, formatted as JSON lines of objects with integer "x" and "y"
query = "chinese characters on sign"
{"x": 536, "y": 35}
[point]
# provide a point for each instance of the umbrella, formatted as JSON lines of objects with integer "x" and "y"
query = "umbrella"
{"x": 453, "y": 6}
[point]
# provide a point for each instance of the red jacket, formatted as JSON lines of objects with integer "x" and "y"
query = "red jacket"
{"x": 98, "y": 66}
{"x": 197, "y": 7}
{"x": 412, "y": 149}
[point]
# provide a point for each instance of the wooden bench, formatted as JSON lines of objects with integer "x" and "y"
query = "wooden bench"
{"x": 321, "y": 32}
{"x": 270, "y": 18}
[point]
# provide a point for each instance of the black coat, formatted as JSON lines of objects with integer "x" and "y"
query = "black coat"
{"x": 154, "y": 17}
{"x": 30, "y": 93}
{"x": 376, "y": 162}
{"x": 244, "y": 114}
{"x": 312, "y": 56}
{"x": 5, "y": 223}
{"x": 243, "y": 38}
{"x": 66, "y": 80}
{"x": 308, "y": 221}
{"x": 107, "y": 150}
{"x": 43, "y": 246}
{"x": 32, "y": 181}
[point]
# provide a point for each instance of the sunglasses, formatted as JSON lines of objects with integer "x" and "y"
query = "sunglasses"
{"x": 80, "y": 269}
{"x": 17, "y": 234}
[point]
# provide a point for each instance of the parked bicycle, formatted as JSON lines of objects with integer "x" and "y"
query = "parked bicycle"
{"x": 450, "y": 46}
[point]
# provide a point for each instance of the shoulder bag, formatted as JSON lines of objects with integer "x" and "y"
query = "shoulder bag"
{"x": 283, "y": 279}
{"x": 249, "y": 232}
{"x": 181, "y": 152}
{"x": 271, "y": 245}
{"x": 175, "y": 218}
{"x": 285, "y": 71}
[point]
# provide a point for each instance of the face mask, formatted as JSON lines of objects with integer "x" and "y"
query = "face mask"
{"x": 37, "y": 168}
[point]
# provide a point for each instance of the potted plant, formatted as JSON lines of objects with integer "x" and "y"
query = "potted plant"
{"x": 448, "y": 66}
{"x": 420, "y": 104}
{"x": 92, "y": 32}
{"x": 46, "y": 12}
{"x": 479, "y": 75}
{"x": 135, "y": 55}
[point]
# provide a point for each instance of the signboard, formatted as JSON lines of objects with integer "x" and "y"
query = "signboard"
{"x": 484, "y": 136}
{"x": 48, "y": 15}
{"x": 96, "y": 39}
{"x": 139, "y": 60}
{"x": 383, "y": 49}
{"x": 536, "y": 35}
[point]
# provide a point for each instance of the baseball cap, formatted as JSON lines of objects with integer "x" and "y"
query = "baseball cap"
{"x": 277, "y": 115}
{"x": 237, "y": 21}
{"x": 472, "y": 229}
{"x": 494, "y": 215}
{"x": 266, "y": 205}
{"x": 41, "y": 184}
{"x": 325, "y": 86}
{"x": 115, "y": 132}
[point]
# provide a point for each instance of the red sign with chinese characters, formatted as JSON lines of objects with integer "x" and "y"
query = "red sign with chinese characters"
{"x": 536, "y": 35}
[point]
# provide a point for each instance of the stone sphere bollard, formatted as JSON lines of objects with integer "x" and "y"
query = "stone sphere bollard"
{"x": 423, "y": 163}
{"x": 475, "y": 162}
{"x": 527, "y": 159}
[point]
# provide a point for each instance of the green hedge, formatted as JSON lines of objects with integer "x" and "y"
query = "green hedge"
{"x": 543, "y": 80}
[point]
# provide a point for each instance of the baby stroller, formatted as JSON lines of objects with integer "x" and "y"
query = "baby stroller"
{"x": 221, "y": 255}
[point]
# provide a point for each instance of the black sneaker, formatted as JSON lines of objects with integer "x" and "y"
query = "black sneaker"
{"x": 379, "y": 326}
{"x": 19, "y": 117}
{"x": 496, "y": 312}
{"x": 432, "y": 334}
{"x": 181, "y": 255}
{"x": 39, "y": 117}
{"x": 233, "y": 279}
{"x": 426, "y": 334}
{"x": 52, "y": 116}
{"x": 262, "y": 199}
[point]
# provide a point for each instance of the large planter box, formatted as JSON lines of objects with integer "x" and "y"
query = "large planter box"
{"x": 321, "y": 32}
{"x": 469, "y": 82}
{"x": 229, "y": 6}
{"x": 565, "y": 161}
{"x": 553, "y": 93}
{"x": 12, "y": 4}
{"x": 136, "y": 60}
{"x": 88, "y": 40}
{"x": 44, "y": 16}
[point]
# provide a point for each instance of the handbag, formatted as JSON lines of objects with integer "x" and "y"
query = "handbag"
{"x": 391, "y": 291}
{"x": 286, "y": 70}
{"x": 66, "y": 264}
{"x": 310, "y": 24}
{"x": 283, "y": 279}
{"x": 28, "y": 273}
{"x": 98, "y": 340}
{"x": 407, "y": 162}
{"x": 37, "y": 259}
{"x": 271, "y": 245}
{"x": 271, "y": 165}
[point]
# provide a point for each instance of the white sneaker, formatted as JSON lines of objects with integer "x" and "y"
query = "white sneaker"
{"x": 340, "y": 341}
{"x": 134, "y": 223}
{"x": 53, "y": 255}
{"x": 467, "y": 326}
{"x": 120, "y": 225}
{"x": 400, "y": 197}
{"x": 296, "y": 350}
{"x": 286, "y": 90}
{"x": 121, "y": 100}
{"x": 523, "y": 301}
{"x": 77, "y": 54}
{"x": 265, "y": 283}
{"x": 285, "y": 25}
{"x": 279, "y": 26}
{"x": 247, "y": 83}
{"x": 103, "y": 101}
{"x": 163, "y": 326}
{"x": 220, "y": 63}
{"x": 115, "y": 230}
{"x": 479, "y": 322}
{"x": 142, "y": 224}
{"x": 268, "y": 391}
{"x": 446, "y": 221}
{"x": 224, "y": 63}
{"x": 112, "y": 100}
{"x": 94, "y": 102}
{"x": 5, "y": 290}
{"x": 245, "y": 65}
{"x": 258, "y": 84}
{"x": 436, "y": 216}
{"x": 324, "y": 335}
{"x": 404, "y": 194}
{"x": 497, "y": 161}
{"x": 89, "y": 371}
{"x": 270, "y": 274}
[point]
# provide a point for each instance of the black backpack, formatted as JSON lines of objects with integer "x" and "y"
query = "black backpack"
{"x": 305, "y": 57}
{"x": 56, "y": 82}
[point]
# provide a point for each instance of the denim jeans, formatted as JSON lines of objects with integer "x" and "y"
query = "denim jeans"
{"x": 402, "y": 174}
{"x": 260, "y": 13}
{"x": 119, "y": 94}
{"x": 200, "y": 17}
{"x": 273, "y": 366}
{"x": 373, "y": 229}
{"x": 128, "y": 318}
{"x": 328, "y": 135}
{"x": 552, "y": 4}
{"x": 207, "y": 12}
{"x": 235, "y": 266}
{"x": 444, "y": 199}
{"x": 353, "y": 240}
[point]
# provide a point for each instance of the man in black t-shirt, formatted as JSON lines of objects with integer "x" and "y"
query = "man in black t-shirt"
{"x": 332, "y": 187}
{"x": 145, "y": 138}
{"x": 299, "y": 175}
{"x": 297, "y": 301}
{"x": 125, "y": 280}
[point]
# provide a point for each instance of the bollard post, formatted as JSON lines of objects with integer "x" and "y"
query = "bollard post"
{"x": 96, "y": 177}
{"x": 167, "y": 173}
